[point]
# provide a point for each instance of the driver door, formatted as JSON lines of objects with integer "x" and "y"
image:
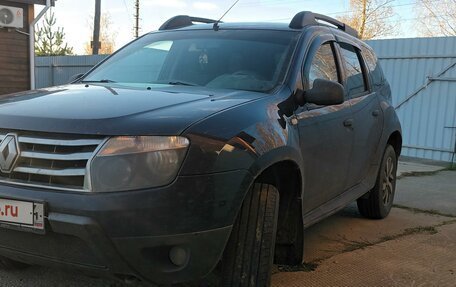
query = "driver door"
{"x": 325, "y": 132}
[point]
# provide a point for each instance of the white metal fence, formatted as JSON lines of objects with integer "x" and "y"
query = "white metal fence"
{"x": 422, "y": 75}
{"x": 54, "y": 71}
{"x": 421, "y": 71}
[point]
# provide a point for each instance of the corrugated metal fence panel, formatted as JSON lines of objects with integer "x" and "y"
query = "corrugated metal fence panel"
{"x": 53, "y": 71}
{"x": 424, "y": 70}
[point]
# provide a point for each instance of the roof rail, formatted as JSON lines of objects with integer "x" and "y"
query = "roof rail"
{"x": 307, "y": 18}
{"x": 183, "y": 21}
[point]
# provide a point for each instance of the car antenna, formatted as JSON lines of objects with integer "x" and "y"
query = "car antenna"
{"x": 216, "y": 24}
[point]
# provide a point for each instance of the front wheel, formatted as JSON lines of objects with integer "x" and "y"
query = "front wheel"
{"x": 249, "y": 254}
{"x": 379, "y": 201}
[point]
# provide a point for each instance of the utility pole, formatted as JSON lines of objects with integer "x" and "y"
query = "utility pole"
{"x": 96, "y": 28}
{"x": 137, "y": 19}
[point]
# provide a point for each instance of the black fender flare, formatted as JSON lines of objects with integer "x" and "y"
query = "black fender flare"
{"x": 284, "y": 153}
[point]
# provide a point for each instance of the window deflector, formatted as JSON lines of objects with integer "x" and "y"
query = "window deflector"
{"x": 313, "y": 50}
{"x": 314, "y": 47}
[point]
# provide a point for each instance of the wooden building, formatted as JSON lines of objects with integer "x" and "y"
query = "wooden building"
{"x": 14, "y": 45}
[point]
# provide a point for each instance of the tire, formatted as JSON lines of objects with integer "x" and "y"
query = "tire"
{"x": 378, "y": 203}
{"x": 249, "y": 254}
{"x": 8, "y": 264}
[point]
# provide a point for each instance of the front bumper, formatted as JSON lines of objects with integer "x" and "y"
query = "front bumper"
{"x": 130, "y": 234}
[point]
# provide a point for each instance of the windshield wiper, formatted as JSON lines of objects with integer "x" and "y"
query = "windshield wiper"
{"x": 181, "y": 83}
{"x": 99, "y": 81}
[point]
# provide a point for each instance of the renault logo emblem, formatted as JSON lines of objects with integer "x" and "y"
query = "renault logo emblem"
{"x": 9, "y": 152}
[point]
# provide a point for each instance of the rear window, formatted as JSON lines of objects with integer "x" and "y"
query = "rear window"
{"x": 374, "y": 67}
{"x": 355, "y": 83}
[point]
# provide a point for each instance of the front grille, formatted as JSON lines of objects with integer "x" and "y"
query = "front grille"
{"x": 51, "y": 160}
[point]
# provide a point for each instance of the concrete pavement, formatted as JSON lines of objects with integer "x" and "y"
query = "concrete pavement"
{"x": 426, "y": 258}
{"x": 433, "y": 193}
{"x": 414, "y": 246}
{"x": 411, "y": 168}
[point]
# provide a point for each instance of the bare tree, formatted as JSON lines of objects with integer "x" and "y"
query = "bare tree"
{"x": 436, "y": 18}
{"x": 107, "y": 36}
{"x": 371, "y": 18}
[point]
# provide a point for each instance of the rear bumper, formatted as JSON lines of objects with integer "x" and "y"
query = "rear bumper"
{"x": 131, "y": 234}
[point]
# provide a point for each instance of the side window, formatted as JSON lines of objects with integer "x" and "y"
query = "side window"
{"x": 355, "y": 79}
{"x": 374, "y": 67}
{"x": 323, "y": 65}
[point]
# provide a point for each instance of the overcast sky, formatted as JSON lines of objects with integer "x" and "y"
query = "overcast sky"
{"x": 74, "y": 16}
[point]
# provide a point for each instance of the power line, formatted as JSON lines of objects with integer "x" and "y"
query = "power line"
{"x": 272, "y": 2}
{"x": 284, "y": 2}
{"x": 343, "y": 12}
{"x": 127, "y": 9}
{"x": 392, "y": 6}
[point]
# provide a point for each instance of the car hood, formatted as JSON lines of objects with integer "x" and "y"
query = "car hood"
{"x": 115, "y": 110}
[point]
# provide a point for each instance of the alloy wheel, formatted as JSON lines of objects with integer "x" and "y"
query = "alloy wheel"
{"x": 388, "y": 181}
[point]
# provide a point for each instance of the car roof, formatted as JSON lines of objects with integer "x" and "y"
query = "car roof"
{"x": 300, "y": 21}
{"x": 271, "y": 26}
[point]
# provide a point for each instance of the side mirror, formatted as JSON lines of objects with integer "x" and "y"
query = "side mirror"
{"x": 325, "y": 93}
{"x": 75, "y": 78}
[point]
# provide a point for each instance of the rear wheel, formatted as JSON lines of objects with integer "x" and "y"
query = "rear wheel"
{"x": 249, "y": 255}
{"x": 8, "y": 264}
{"x": 378, "y": 203}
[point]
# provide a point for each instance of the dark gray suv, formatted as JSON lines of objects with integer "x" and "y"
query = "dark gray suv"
{"x": 198, "y": 149}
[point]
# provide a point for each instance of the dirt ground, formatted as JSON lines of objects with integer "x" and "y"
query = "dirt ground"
{"x": 414, "y": 246}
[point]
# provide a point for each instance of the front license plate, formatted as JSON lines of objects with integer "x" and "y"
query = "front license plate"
{"x": 22, "y": 214}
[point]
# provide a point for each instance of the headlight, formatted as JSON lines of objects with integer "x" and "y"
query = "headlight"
{"x": 128, "y": 163}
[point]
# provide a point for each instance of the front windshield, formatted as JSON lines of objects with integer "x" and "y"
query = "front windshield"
{"x": 254, "y": 60}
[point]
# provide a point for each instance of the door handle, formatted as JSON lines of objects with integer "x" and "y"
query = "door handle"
{"x": 348, "y": 123}
{"x": 376, "y": 113}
